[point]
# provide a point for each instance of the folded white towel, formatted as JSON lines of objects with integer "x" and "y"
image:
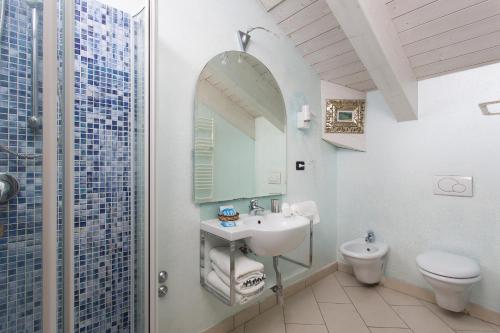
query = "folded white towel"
{"x": 243, "y": 266}
{"x": 252, "y": 284}
{"x": 307, "y": 209}
{"x": 215, "y": 282}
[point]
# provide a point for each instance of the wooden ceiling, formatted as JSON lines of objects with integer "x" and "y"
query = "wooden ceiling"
{"x": 438, "y": 36}
{"x": 446, "y": 36}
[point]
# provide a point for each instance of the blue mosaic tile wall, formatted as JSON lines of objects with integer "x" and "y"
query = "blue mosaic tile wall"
{"x": 60, "y": 166}
{"x": 21, "y": 219}
{"x": 103, "y": 197}
{"x": 139, "y": 168}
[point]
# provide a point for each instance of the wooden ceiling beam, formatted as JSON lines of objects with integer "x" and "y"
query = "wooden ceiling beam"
{"x": 371, "y": 31}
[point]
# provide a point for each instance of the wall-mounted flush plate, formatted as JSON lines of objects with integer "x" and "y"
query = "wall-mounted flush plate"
{"x": 459, "y": 186}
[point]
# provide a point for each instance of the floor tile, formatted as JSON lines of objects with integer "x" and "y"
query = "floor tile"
{"x": 390, "y": 330}
{"x": 372, "y": 308}
{"x": 302, "y": 308}
{"x": 329, "y": 290}
{"x": 394, "y": 297}
{"x": 347, "y": 280}
{"x": 421, "y": 320}
{"x": 270, "y": 321}
{"x": 342, "y": 318}
{"x": 461, "y": 321}
{"x": 472, "y": 331}
{"x": 299, "y": 328}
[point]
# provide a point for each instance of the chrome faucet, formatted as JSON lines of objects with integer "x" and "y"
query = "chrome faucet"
{"x": 255, "y": 209}
{"x": 370, "y": 237}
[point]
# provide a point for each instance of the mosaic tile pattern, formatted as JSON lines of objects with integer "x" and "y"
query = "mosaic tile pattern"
{"x": 139, "y": 168}
{"x": 103, "y": 196}
{"x": 21, "y": 219}
{"x": 105, "y": 266}
{"x": 60, "y": 167}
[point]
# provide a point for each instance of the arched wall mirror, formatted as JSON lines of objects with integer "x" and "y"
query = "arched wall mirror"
{"x": 239, "y": 130}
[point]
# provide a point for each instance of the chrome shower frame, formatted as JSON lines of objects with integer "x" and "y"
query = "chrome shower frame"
{"x": 2, "y": 16}
{"x": 49, "y": 167}
{"x": 47, "y": 69}
{"x": 34, "y": 121}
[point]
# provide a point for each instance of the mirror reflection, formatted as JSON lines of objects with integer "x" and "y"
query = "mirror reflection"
{"x": 239, "y": 130}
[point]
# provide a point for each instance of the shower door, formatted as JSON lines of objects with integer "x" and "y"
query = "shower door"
{"x": 74, "y": 165}
{"x": 28, "y": 172}
{"x": 105, "y": 166}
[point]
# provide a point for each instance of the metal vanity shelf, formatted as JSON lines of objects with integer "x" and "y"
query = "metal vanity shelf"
{"x": 213, "y": 235}
{"x": 207, "y": 241}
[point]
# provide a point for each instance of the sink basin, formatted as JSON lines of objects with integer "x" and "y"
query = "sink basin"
{"x": 275, "y": 234}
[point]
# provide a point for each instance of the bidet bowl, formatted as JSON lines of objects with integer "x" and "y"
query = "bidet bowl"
{"x": 367, "y": 259}
{"x": 275, "y": 234}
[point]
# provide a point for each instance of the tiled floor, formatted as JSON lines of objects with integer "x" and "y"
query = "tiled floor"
{"x": 339, "y": 304}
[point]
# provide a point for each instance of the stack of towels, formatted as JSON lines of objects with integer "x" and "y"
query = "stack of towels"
{"x": 249, "y": 275}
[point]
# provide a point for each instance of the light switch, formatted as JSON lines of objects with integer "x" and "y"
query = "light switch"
{"x": 459, "y": 186}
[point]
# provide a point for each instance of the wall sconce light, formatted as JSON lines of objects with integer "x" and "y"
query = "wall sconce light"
{"x": 244, "y": 37}
{"x": 304, "y": 117}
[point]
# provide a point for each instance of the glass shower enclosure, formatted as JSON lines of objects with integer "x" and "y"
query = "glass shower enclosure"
{"x": 73, "y": 166}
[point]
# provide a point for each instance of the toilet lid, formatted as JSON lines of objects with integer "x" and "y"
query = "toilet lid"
{"x": 448, "y": 265}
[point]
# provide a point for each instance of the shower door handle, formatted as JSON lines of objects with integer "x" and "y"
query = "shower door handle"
{"x": 162, "y": 291}
{"x": 162, "y": 276}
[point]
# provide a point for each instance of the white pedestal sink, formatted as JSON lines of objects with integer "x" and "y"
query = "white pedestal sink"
{"x": 267, "y": 235}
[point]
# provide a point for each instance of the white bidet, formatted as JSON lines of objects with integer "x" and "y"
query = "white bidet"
{"x": 367, "y": 259}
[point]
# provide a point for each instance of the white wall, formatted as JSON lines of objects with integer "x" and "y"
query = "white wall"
{"x": 389, "y": 188}
{"x": 190, "y": 33}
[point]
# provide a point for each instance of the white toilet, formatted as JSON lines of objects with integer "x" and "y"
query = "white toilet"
{"x": 451, "y": 277}
{"x": 367, "y": 259}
